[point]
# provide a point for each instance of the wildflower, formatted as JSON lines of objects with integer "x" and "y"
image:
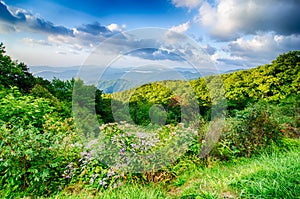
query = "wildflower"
{"x": 110, "y": 173}
{"x": 117, "y": 184}
{"x": 92, "y": 180}
{"x": 94, "y": 176}
{"x": 91, "y": 143}
{"x": 68, "y": 173}
{"x": 103, "y": 182}
{"x": 66, "y": 176}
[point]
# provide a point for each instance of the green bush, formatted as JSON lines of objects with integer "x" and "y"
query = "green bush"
{"x": 289, "y": 144}
{"x": 32, "y": 162}
{"x": 35, "y": 145}
{"x": 248, "y": 133}
{"x": 287, "y": 113}
{"x": 22, "y": 110}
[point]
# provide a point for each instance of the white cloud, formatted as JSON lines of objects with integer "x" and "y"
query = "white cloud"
{"x": 34, "y": 41}
{"x": 186, "y": 3}
{"x": 256, "y": 50}
{"x": 115, "y": 27}
{"x": 60, "y": 52}
{"x": 182, "y": 28}
{"x": 176, "y": 33}
{"x": 230, "y": 19}
{"x": 75, "y": 43}
{"x": 264, "y": 45}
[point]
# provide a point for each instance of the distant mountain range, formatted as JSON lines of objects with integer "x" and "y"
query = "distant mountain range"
{"x": 49, "y": 72}
{"x": 119, "y": 79}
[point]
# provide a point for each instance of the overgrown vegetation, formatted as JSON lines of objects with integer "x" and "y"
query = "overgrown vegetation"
{"x": 44, "y": 153}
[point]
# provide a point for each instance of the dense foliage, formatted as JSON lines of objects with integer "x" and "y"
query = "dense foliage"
{"x": 35, "y": 144}
{"x": 271, "y": 83}
{"x": 42, "y": 151}
{"x": 13, "y": 73}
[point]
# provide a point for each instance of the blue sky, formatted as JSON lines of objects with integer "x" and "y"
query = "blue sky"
{"x": 234, "y": 33}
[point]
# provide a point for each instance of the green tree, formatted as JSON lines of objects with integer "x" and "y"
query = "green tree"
{"x": 13, "y": 73}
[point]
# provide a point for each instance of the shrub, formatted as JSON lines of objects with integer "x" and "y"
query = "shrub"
{"x": 125, "y": 152}
{"x": 23, "y": 111}
{"x": 248, "y": 133}
{"x": 287, "y": 113}
{"x": 32, "y": 161}
{"x": 35, "y": 145}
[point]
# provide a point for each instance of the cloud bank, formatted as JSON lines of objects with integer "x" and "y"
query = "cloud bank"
{"x": 16, "y": 19}
{"x": 247, "y": 32}
{"x": 230, "y": 19}
{"x": 239, "y": 33}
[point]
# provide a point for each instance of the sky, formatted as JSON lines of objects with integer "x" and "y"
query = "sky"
{"x": 235, "y": 34}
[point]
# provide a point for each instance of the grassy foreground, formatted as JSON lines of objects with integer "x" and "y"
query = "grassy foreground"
{"x": 274, "y": 174}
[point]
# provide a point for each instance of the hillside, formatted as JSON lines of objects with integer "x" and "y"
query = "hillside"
{"x": 270, "y": 82}
{"x": 230, "y": 135}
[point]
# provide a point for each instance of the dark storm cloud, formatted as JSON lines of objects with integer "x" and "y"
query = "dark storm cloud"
{"x": 155, "y": 54}
{"x": 94, "y": 28}
{"x": 7, "y": 16}
{"x": 48, "y": 27}
{"x": 20, "y": 19}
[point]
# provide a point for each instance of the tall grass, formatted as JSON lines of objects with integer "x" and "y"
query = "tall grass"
{"x": 272, "y": 175}
{"x": 128, "y": 191}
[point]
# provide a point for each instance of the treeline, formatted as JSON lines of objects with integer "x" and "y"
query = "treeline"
{"x": 271, "y": 83}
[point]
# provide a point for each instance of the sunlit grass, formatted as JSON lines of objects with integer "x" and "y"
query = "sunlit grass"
{"x": 128, "y": 191}
{"x": 269, "y": 176}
